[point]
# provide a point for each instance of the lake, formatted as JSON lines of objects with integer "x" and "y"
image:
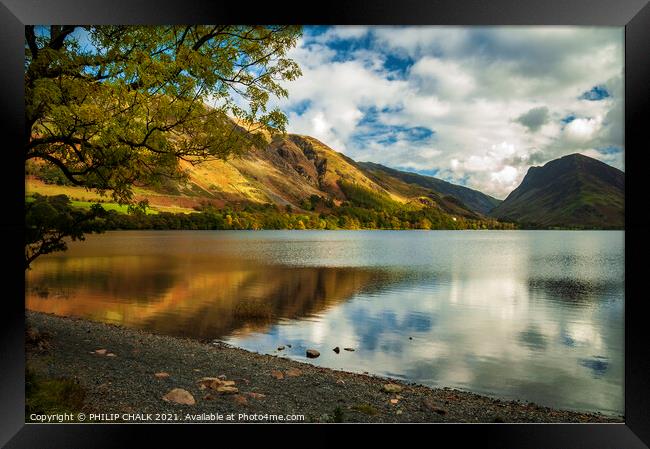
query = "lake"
{"x": 528, "y": 315}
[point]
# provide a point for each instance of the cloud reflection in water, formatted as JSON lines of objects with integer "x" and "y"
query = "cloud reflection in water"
{"x": 527, "y": 315}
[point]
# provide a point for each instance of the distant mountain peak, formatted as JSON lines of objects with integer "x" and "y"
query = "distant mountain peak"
{"x": 572, "y": 191}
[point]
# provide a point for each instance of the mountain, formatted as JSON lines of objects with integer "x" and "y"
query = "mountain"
{"x": 572, "y": 191}
{"x": 293, "y": 167}
{"x": 301, "y": 174}
{"x": 285, "y": 172}
{"x": 297, "y": 172}
{"x": 472, "y": 199}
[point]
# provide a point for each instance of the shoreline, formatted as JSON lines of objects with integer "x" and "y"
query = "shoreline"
{"x": 126, "y": 372}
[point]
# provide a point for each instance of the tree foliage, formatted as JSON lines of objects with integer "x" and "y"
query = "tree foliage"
{"x": 113, "y": 105}
{"x": 110, "y": 106}
{"x": 269, "y": 216}
{"x": 52, "y": 219}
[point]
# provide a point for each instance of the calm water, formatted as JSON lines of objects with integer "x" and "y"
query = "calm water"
{"x": 530, "y": 315}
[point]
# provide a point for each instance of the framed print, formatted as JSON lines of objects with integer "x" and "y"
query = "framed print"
{"x": 417, "y": 213}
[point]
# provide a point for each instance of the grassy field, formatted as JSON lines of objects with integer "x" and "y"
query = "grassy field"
{"x": 80, "y": 197}
{"x": 108, "y": 206}
{"x": 74, "y": 193}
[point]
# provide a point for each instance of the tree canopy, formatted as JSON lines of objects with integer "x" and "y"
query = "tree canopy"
{"x": 114, "y": 105}
{"x": 52, "y": 219}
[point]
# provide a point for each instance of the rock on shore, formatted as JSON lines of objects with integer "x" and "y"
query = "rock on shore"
{"x": 149, "y": 367}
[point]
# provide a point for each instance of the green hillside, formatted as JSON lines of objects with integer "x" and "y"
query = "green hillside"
{"x": 291, "y": 174}
{"x": 323, "y": 189}
{"x": 464, "y": 197}
{"x": 574, "y": 191}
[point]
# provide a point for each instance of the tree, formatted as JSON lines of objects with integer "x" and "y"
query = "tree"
{"x": 130, "y": 102}
{"x": 52, "y": 219}
{"x": 110, "y": 106}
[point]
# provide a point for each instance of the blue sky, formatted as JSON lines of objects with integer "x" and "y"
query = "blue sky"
{"x": 472, "y": 105}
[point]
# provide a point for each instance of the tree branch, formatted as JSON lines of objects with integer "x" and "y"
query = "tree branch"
{"x": 67, "y": 172}
{"x": 31, "y": 40}
{"x": 58, "y": 35}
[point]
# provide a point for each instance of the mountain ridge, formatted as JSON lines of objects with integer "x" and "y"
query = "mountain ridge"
{"x": 476, "y": 200}
{"x": 294, "y": 167}
{"x": 574, "y": 191}
{"x": 299, "y": 173}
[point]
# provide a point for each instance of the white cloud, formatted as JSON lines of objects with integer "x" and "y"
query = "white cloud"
{"x": 417, "y": 40}
{"x": 467, "y": 85}
{"x": 343, "y": 32}
{"x": 508, "y": 176}
{"x": 337, "y": 93}
{"x": 582, "y": 129}
{"x": 445, "y": 77}
{"x": 425, "y": 107}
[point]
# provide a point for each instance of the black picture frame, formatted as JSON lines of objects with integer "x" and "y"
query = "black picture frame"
{"x": 634, "y": 15}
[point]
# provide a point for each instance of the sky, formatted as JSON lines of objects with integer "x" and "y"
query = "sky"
{"x": 476, "y": 106}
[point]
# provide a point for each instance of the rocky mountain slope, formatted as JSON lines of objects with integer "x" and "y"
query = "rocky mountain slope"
{"x": 301, "y": 174}
{"x": 290, "y": 169}
{"x": 572, "y": 191}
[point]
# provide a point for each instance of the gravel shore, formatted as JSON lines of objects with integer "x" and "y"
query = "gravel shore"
{"x": 138, "y": 368}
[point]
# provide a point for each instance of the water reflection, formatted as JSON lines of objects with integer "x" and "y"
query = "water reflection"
{"x": 533, "y": 339}
{"x": 598, "y": 365}
{"x": 201, "y": 298}
{"x": 577, "y": 291}
{"x": 526, "y": 315}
